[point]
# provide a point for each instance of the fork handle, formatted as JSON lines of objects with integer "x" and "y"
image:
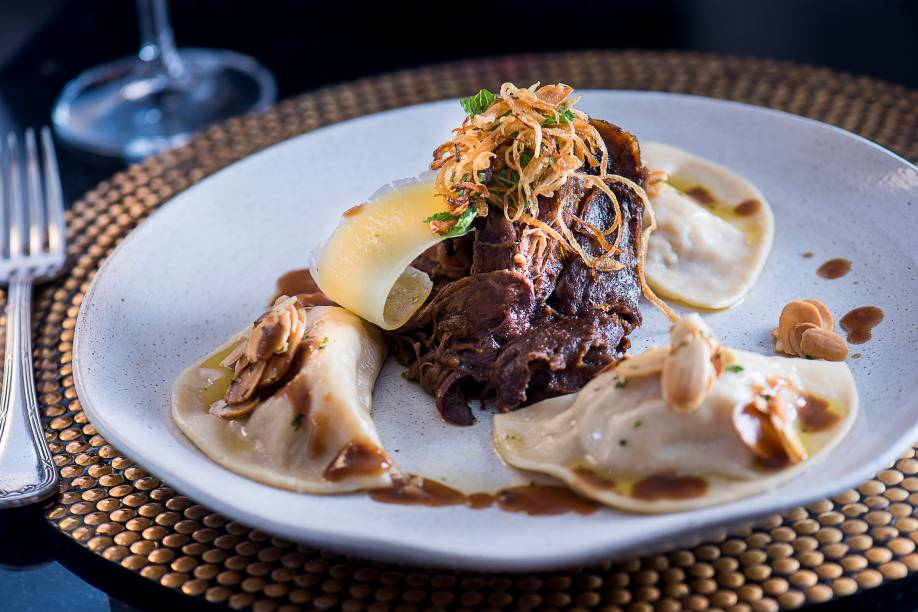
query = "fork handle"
{"x": 27, "y": 473}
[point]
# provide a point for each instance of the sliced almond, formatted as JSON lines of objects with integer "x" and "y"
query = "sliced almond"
{"x": 822, "y": 344}
{"x": 827, "y": 321}
{"x": 243, "y": 386}
{"x": 795, "y": 312}
{"x": 687, "y": 374}
{"x": 795, "y": 335}
{"x": 232, "y": 411}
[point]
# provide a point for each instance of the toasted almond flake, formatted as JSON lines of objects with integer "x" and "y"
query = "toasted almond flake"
{"x": 822, "y": 344}
{"x": 687, "y": 374}
{"x": 232, "y": 411}
{"x": 795, "y": 335}
{"x": 645, "y": 363}
{"x": 795, "y": 312}
{"x": 827, "y": 321}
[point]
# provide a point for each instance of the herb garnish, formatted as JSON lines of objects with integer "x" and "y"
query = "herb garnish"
{"x": 461, "y": 224}
{"x": 564, "y": 117}
{"x": 620, "y": 383}
{"x": 623, "y": 442}
{"x": 736, "y": 369}
{"x": 638, "y": 423}
{"x": 297, "y": 421}
{"x": 477, "y": 104}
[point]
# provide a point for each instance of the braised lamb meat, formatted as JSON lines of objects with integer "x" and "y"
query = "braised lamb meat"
{"x": 516, "y": 317}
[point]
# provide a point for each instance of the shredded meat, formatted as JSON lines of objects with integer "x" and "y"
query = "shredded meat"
{"x": 517, "y": 318}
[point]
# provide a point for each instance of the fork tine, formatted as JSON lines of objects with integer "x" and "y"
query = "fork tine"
{"x": 36, "y": 198}
{"x": 17, "y": 205}
{"x": 54, "y": 197}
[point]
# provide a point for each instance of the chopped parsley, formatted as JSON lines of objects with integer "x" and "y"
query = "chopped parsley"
{"x": 767, "y": 396}
{"x": 621, "y": 382}
{"x": 324, "y": 343}
{"x": 736, "y": 369}
{"x": 638, "y": 423}
{"x": 623, "y": 442}
{"x": 297, "y": 421}
{"x": 477, "y": 104}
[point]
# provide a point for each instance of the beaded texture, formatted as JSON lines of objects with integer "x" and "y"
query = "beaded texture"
{"x": 833, "y": 548}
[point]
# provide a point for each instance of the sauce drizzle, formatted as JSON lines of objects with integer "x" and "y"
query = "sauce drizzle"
{"x": 701, "y": 194}
{"x": 355, "y": 459}
{"x": 860, "y": 322}
{"x": 535, "y": 500}
{"x": 748, "y": 208}
{"x": 669, "y": 486}
{"x": 815, "y": 415}
{"x": 834, "y": 268}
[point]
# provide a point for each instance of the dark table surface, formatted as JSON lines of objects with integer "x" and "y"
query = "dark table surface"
{"x": 43, "y": 43}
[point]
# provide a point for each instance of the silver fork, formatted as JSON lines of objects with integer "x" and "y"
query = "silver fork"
{"x": 32, "y": 249}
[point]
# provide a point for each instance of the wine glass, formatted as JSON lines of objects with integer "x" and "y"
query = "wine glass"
{"x": 138, "y": 106}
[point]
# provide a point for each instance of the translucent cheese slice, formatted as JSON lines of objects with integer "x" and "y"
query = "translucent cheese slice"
{"x": 365, "y": 264}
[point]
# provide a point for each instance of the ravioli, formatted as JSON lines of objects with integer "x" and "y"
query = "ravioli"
{"x": 714, "y": 230}
{"x": 315, "y": 433}
{"x": 620, "y": 443}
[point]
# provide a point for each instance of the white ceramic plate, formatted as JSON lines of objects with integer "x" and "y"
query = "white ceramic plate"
{"x": 203, "y": 266}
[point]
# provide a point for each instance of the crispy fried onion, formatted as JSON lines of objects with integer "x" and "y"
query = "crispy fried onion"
{"x": 526, "y": 144}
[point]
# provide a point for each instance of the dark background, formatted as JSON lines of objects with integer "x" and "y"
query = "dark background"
{"x": 43, "y": 43}
{"x": 306, "y": 44}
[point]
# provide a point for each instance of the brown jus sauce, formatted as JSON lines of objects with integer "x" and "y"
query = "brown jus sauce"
{"x": 669, "y": 486}
{"x": 748, "y": 208}
{"x": 815, "y": 415}
{"x": 536, "y": 500}
{"x": 834, "y": 268}
{"x": 701, "y": 194}
{"x": 357, "y": 458}
{"x": 860, "y": 322}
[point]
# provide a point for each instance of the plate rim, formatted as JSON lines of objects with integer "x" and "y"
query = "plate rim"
{"x": 430, "y": 554}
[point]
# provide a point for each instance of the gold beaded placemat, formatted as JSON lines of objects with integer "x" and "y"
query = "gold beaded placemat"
{"x": 113, "y": 507}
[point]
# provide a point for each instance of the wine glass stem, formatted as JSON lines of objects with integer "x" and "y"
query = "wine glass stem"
{"x": 157, "y": 42}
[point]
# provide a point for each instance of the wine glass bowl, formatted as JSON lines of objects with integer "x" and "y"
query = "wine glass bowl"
{"x": 141, "y": 105}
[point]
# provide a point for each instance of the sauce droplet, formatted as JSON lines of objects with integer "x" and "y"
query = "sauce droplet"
{"x": 815, "y": 415}
{"x": 834, "y": 268}
{"x": 701, "y": 194}
{"x": 417, "y": 491}
{"x": 669, "y": 486}
{"x": 357, "y": 459}
{"x": 859, "y": 323}
{"x": 353, "y": 211}
{"x": 541, "y": 500}
{"x": 748, "y": 208}
{"x": 808, "y": 255}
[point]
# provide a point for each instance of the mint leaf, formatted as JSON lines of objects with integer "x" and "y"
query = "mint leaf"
{"x": 525, "y": 158}
{"x": 462, "y": 225}
{"x": 478, "y": 103}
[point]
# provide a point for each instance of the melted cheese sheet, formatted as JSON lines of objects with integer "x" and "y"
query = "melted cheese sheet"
{"x": 619, "y": 443}
{"x": 365, "y": 263}
{"x": 714, "y": 231}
